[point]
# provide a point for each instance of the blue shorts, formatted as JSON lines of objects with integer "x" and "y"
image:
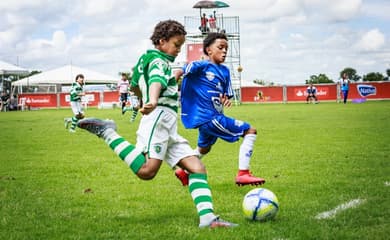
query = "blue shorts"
{"x": 228, "y": 129}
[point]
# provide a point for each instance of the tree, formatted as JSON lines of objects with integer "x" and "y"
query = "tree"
{"x": 373, "y": 76}
{"x": 351, "y": 73}
{"x": 321, "y": 78}
{"x": 388, "y": 75}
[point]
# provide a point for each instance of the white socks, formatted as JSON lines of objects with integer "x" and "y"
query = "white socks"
{"x": 246, "y": 150}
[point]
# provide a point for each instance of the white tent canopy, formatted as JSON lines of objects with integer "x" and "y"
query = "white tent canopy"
{"x": 10, "y": 69}
{"x": 65, "y": 76}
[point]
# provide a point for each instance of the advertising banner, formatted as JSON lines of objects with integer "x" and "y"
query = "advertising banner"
{"x": 324, "y": 92}
{"x": 262, "y": 94}
{"x": 36, "y": 100}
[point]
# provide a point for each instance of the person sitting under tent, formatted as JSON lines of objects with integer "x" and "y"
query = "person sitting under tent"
{"x": 4, "y": 102}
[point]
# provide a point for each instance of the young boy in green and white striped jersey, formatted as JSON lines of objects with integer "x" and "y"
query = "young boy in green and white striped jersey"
{"x": 76, "y": 92}
{"x": 157, "y": 136}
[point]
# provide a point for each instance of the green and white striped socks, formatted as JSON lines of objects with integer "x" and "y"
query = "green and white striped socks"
{"x": 132, "y": 156}
{"x": 201, "y": 195}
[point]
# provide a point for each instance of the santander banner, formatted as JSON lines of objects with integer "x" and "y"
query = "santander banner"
{"x": 324, "y": 92}
{"x": 38, "y": 100}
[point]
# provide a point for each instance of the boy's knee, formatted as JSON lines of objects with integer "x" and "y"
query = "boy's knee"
{"x": 251, "y": 131}
{"x": 146, "y": 175}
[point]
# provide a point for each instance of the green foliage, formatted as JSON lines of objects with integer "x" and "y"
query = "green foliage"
{"x": 263, "y": 82}
{"x": 351, "y": 73}
{"x": 321, "y": 78}
{"x": 57, "y": 185}
{"x": 373, "y": 76}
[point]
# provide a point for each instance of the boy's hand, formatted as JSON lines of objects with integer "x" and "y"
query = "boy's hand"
{"x": 225, "y": 100}
{"x": 148, "y": 108}
{"x": 178, "y": 74}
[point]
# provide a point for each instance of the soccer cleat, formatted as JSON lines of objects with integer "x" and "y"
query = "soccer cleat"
{"x": 96, "y": 126}
{"x": 67, "y": 121}
{"x": 217, "y": 223}
{"x": 182, "y": 176}
{"x": 71, "y": 130}
{"x": 247, "y": 178}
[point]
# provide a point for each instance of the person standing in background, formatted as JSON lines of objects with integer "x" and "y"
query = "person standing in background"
{"x": 344, "y": 83}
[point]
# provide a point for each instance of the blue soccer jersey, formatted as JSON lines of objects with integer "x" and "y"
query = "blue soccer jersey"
{"x": 203, "y": 82}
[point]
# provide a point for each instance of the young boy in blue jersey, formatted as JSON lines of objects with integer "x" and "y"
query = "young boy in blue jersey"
{"x": 157, "y": 138}
{"x": 205, "y": 91}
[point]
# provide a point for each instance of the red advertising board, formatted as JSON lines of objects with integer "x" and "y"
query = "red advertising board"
{"x": 369, "y": 90}
{"x": 111, "y": 96}
{"x": 194, "y": 52}
{"x": 36, "y": 100}
{"x": 90, "y": 98}
{"x": 324, "y": 92}
{"x": 262, "y": 94}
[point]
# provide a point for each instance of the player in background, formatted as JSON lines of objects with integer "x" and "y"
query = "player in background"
{"x": 123, "y": 88}
{"x": 311, "y": 93}
{"x": 344, "y": 82}
{"x": 76, "y": 93}
{"x": 132, "y": 105}
{"x": 157, "y": 136}
{"x": 205, "y": 91}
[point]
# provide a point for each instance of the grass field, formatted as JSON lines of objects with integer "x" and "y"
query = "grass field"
{"x": 58, "y": 185}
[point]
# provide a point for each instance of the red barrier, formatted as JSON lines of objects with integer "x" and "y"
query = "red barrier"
{"x": 324, "y": 92}
{"x": 369, "y": 90}
{"x": 90, "y": 98}
{"x": 111, "y": 97}
{"x": 38, "y": 100}
{"x": 262, "y": 94}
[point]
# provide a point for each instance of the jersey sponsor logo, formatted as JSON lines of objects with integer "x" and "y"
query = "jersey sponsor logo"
{"x": 238, "y": 123}
{"x": 157, "y": 148}
{"x": 210, "y": 76}
{"x": 217, "y": 104}
{"x": 366, "y": 90}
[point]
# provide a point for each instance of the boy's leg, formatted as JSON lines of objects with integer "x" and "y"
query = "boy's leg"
{"x": 201, "y": 194}
{"x": 244, "y": 177}
{"x": 230, "y": 130}
{"x": 73, "y": 124}
{"x": 105, "y": 129}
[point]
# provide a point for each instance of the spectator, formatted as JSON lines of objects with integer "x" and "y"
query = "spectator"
{"x": 13, "y": 103}
{"x": 203, "y": 24}
{"x": 4, "y": 102}
{"x": 213, "y": 24}
{"x": 311, "y": 93}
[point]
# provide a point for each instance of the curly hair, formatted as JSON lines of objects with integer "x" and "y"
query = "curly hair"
{"x": 167, "y": 29}
{"x": 210, "y": 39}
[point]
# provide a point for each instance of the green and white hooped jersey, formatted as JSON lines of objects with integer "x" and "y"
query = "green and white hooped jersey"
{"x": 74, "y": 91}
{"x": 154, "y": 66}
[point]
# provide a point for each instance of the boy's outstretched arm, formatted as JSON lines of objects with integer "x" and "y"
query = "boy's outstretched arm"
{"x": 154, "y": 93}
{"x": 178, "y": 74}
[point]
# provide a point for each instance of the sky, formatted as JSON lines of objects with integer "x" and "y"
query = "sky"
{"x": 281, "y": 41}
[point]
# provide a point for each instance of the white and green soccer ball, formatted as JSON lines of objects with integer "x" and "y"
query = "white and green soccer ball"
{"x": 260, "y": 204}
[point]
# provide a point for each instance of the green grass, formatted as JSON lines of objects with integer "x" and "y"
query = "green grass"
{"x": 314, "y": 158}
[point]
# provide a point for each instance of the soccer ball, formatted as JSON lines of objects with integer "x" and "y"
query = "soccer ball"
{"x": 260, "y": 204}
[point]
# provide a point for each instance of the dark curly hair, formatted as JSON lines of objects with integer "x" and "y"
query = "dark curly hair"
{"x": 210, "y": 39}
{"x": 167, "y": 29}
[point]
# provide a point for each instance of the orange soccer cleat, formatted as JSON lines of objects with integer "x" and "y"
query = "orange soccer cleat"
{"x": 244, "y": 177}
{"x": 182, "y": 176}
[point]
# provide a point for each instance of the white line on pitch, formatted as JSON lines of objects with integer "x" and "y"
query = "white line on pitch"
{"x": 342, "y": 207}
